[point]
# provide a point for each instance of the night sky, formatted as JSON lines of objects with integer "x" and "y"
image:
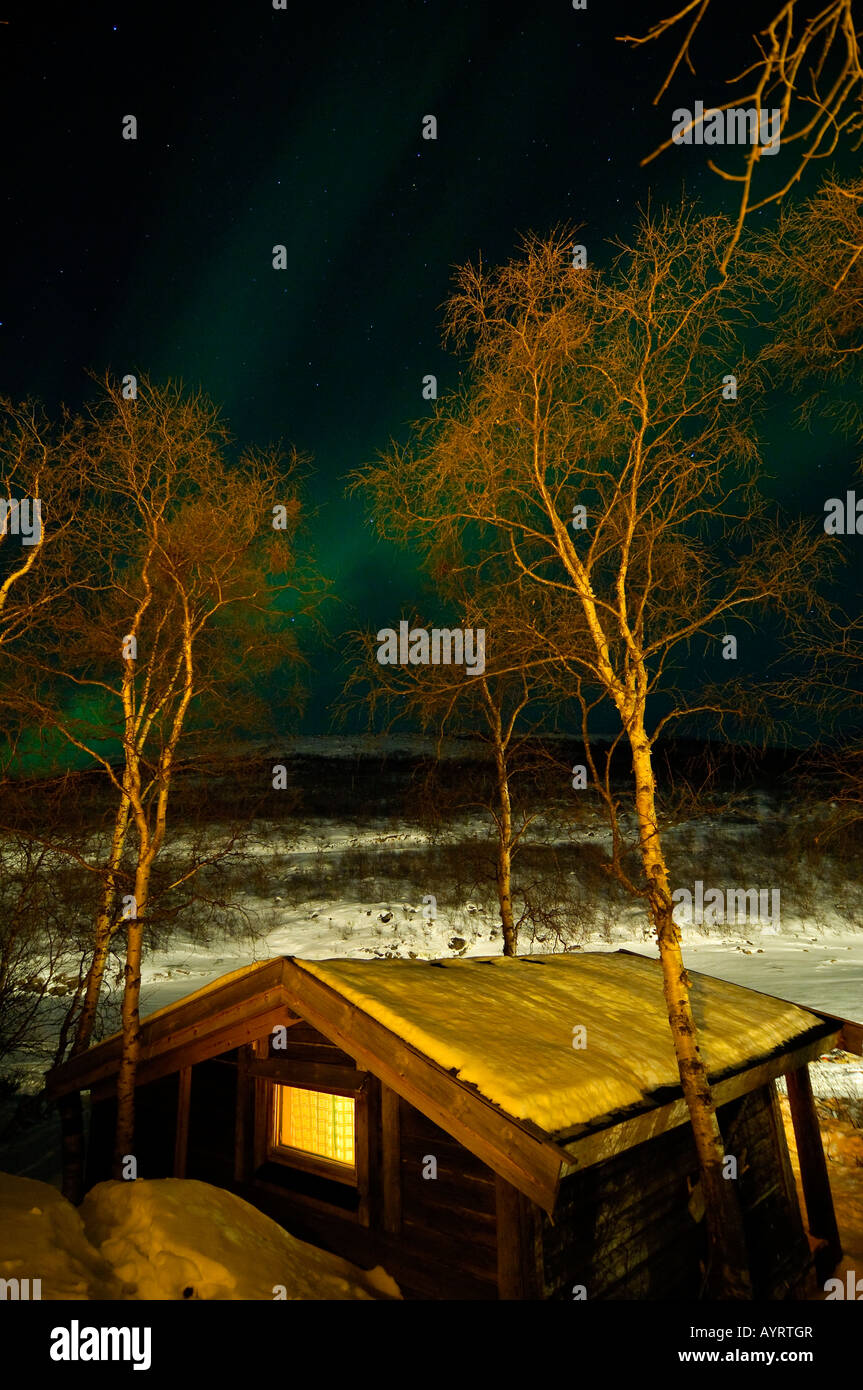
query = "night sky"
{"x": 304, "y": 127}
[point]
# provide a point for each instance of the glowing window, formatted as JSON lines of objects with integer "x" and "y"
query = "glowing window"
{"x": 315, "y": 1122}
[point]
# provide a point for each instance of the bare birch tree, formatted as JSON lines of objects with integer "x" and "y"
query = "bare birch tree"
{"x": 805, "y": 64}
{"x": 188, "y": 553}
{"x": 811, "y": 268}
{"x": 498, "y": 705}
{"x": 604, "y": 444}
{"x": 40, "y": 487}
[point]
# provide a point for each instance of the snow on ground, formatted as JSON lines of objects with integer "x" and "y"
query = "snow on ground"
{"x": 165, "y": 1238}
{"x": 825, "y": 962}
{"x": 810, "y": 957}
{"x": 171, "y": 1238}
{"x": 843, "y": 1148}
{"x": 824, "y": 971}
{"x": 42, "y": 1237}
{"x": 819, "y": 967}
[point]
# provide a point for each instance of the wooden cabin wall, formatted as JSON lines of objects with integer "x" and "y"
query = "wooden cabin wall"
{"x": 155, "y": 1118}
{"x": 330, "y": 1215}
{"x": 212, "y": 1112}
{"x": 779, "y": 1254}
{"x": 210, "y": 1145}
{"x": 436, "y": 1236}
{"x": 624, "y": 1231}
{"x": 303, "y": 1043}
{"x": 622, "y": 1228}
{"x": 446, "y": 1244}
{"x": 100, "y": 1141}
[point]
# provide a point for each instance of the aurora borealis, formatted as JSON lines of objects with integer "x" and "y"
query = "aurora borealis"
{"x": 303, "y": 127}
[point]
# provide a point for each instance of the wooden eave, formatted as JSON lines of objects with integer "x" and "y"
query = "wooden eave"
{"x": 595, "y": 1144}
{"x": 850, "y": 1035}
{"x": 219, "y": 1018}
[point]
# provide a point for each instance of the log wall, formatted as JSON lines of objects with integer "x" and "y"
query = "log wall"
{"x": 624, "y": 1228}
{"x": 447, "y": 1242}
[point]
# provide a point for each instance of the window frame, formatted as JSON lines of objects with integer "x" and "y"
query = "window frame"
{"x": 317, "y": 1164}
{"x": 262, "y": 1069}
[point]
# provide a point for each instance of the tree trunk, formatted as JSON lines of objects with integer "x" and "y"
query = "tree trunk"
{"x": 104, "y": 933}
{"x": 728, "y": 1266}
{"x": 70, "y": 1107}
{"x": 149, "y": 844}
{"x": 72, "y": 1146}
{"x": 504, "y": 855}
{"x": 124, "y": 1136}
{"x": 504, "y": 893}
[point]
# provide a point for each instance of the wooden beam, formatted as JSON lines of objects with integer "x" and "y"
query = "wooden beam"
{"x": 597, "y": 1146}
{"x": 785, "y": 1170}
{"x": 245, "y": 1118}
{"x": 225, "y": 1040}
{"x": 181, "y": 1138}
{"x": 813, "y": 1171}
{"x": 361, "y": 1155}
{"x": 509, "y": 1253}
{"x": 391, "y": 1170}
{"x": 203, "y": 1030}
{"x": 188, "y": 1022}
{"x": 850, "y": 1033}
{"x": 515, "y": 1149}
{"x": 343, "y": 1080}
{"x": 262, "y": 1109}
{"x": 228, "y": 1037}
{"x": 851, "y": 1038}
{"x": 519, "y": 1244}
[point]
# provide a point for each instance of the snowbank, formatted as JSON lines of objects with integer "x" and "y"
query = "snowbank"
{"x": 165, "y": 1239}
{"x": 42, "y": 1237}
{"x": 172, "y": 1238}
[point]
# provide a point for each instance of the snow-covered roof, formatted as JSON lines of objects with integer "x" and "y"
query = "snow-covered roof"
{"x": 559, "y": 1042}
{"x": 508, "y": 1026}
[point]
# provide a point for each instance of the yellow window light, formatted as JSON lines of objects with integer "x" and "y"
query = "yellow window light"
{"x": 316, "y": 1122}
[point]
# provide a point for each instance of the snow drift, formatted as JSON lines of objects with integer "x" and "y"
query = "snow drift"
{"x": 165, "y": 1238}
{"x": 42, "y": 1237}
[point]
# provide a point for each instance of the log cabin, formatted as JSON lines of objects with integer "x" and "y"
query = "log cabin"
{"x": 484, "y": 1128}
